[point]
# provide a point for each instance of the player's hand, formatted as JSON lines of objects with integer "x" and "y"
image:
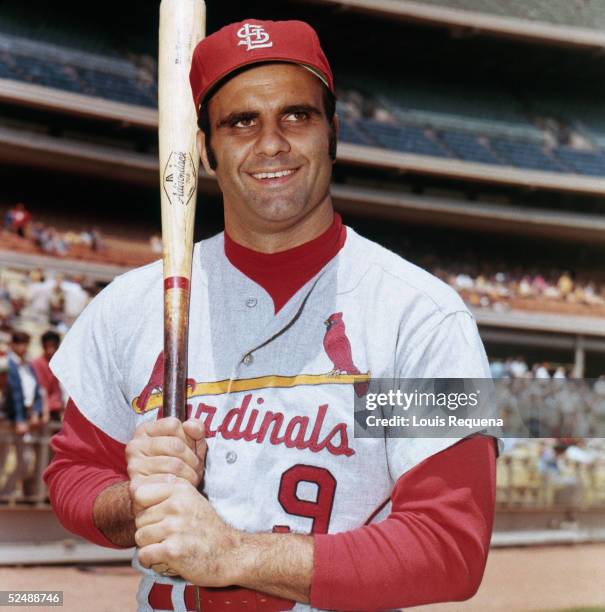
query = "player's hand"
{"x": 34, "y": 420}
{"x": 166, "y": 448}
{"x": 21, "y": 428}
{"x": 180, "y": 530}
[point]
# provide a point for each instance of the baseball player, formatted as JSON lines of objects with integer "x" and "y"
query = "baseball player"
{"x": 264, "y": 499}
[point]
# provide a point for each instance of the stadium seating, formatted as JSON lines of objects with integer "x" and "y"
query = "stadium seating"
{"x": 86, "y": 73}
{"x": 467, "y": 146}
{"x": 349, "y": 132}
{"x": 404, "y": 138}
{"x": 586, "y": 13}
{"x": 483, "y": 125}
{"x": 525, "y": 155}
{"x": 582, "y": 162}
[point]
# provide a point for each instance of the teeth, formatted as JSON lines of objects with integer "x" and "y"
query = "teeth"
{"x": 270, "y": 175}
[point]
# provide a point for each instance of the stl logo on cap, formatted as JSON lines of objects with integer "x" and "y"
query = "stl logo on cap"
{"x": 254, "y": 36}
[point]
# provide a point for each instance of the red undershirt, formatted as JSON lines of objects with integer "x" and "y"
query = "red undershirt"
{"x": 433, "y": 545}
{"x": 282, "y": 274}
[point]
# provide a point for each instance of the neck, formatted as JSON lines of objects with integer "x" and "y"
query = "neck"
{"x": 281, "y": 235}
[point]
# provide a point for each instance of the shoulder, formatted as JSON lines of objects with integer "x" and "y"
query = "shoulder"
{"x": 139, "y": 288}
{"x": 393, "y": 276}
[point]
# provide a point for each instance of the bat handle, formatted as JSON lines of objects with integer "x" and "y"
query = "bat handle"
{"x": 176, "y": 307}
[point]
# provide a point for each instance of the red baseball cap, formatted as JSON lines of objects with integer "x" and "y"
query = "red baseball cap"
{"x": 253, "y": 41}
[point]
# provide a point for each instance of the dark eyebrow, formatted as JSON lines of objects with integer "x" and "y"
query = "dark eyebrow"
{"x": 300, "y": 108}
{"x": 234, "y": 117}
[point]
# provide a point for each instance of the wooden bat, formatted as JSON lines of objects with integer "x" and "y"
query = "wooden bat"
{"x": 182, "y": 26}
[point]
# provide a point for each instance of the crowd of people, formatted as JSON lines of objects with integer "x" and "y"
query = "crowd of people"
{"x": 31, "y": 397}
{"x": 504, "y": 289}
{"x": 517, "y": 367}
{"x": 568, "y": 472}
{"x": 48, "y": 239}
{"x": 36, "y": 309}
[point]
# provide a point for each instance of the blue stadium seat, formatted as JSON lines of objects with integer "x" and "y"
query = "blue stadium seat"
{"x": 45, "y": 72}
{"x": 583, "y": 162}
{"x": 404, "y": 138}
{"x": 115, "y": 87}
{"x": 527, "y": 155}
{"x": 348, "y": 132}
{"x": 468, "y": 147}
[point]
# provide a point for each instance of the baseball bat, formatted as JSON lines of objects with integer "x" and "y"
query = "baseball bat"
{"x": 182, "y": 26}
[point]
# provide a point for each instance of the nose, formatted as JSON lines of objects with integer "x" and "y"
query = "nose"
{"x": 271, "y": 141}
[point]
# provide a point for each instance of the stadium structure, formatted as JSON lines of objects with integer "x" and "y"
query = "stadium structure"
{"x": 472, "y": 142}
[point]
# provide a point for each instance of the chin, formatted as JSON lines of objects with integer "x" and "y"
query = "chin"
{"x": 280, "y": 210}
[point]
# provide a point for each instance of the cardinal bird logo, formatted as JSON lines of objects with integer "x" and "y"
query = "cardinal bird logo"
{"x": 338, "y": 349}
{"x": 155, "y": 384}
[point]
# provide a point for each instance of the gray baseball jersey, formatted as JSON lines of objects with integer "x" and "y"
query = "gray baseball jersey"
{"x": 275, "y": 390}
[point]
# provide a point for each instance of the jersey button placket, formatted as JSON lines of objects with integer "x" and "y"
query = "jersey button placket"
{"x": 248, "y": 359}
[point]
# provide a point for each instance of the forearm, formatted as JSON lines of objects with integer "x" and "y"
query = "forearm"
{"x": 86, "y": 464}
{"x": 112, "y": 515}
{"x": 275, "y": 563}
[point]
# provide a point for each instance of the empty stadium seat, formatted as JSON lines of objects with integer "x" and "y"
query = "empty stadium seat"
{"x": 349, "y": 132}
{"x": 95, "y": 75}
{"x": 583, "y": 162}
{"x": 527, "y": 155}
{"x": 468, "y": 147}
{"x": 404, "y": 138}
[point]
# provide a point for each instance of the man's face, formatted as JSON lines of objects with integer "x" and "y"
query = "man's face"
{"x": 49, "y": 349}
{"x": 19, "y": 348}
{"x": 271, "y": 119}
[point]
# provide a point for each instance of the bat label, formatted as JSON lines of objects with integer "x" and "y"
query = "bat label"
{"x": 178, "y": 179}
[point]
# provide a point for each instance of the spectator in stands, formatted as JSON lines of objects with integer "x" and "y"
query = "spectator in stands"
{"x": 23, "y": 394}
{"x": 19, "y": 218}
{"x": 53, "y": 409}
{"x": 540, "y": 371}
{"x": 57, "y": 303}
{"x": 560, "y": 373}
{"x": 518, "y": 367}
{"x": 76, "y": 299}
{"x": 22, "y": 406}
{"x": 3, "y": 380}
{"x": 565, "y": 284}
{"x": 497, "y": 368}
{"x": 97, "y": 243}
{"x": 155, "y": 242}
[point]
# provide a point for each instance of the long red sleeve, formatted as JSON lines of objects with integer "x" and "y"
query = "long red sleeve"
{"x": 86, "y": 461}
{"x": 431, "y": 548}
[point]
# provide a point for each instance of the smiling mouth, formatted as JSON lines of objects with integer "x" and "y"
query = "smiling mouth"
{"x": 276, "y": 174}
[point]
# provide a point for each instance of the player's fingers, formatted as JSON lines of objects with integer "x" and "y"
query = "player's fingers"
{"x": 148, "y": 466}
{"x": 151, "y": 493}
{"x": 152, "y": 515}
{"x": 174, "y": 505}
{"x": 169, "y": 447}
{"x": 169, "y": 426}
{"x": 152, "y": 554}
{"x": 155, "y": 532}
{"x": 194, "y": 429}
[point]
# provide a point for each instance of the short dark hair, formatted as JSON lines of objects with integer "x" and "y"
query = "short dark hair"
{"x": 20, "y": 337}
{"x": 203, "y": 122}
{"x": 50, "y": 337}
